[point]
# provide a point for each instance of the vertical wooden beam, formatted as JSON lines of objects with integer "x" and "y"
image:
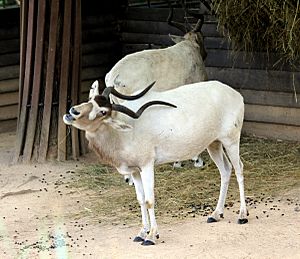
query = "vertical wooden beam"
{"x": 23, "y": 34}
{"x": 50, "y": 74}
{"x": 76, "y": 78}
{"x": 64, "y": 81}
{"x": 55, "y": 75}
{"x": 25, "y": 88}
{"x": 38, "y": 66}
{"x": 83, "y": 143}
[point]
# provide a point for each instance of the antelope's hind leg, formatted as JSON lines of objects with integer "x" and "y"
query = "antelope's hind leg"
{"x": 233, "y": 150}
{"x": 217, "y": 154}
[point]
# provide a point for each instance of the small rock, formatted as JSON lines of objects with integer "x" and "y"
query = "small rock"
{"x": 297, "y": 209}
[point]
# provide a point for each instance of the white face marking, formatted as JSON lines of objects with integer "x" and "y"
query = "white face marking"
{"x": 96, "y": 110}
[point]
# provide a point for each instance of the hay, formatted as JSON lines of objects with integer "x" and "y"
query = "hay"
{"x": 270, "y": 25}
{"x": 270, "y": 168}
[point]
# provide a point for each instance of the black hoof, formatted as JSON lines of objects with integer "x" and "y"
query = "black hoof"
{"x": 148, "y": 243}
{"x": 221, "y": 216}
{"x": 138, "y": 239}
{"x": 211, "y": 220}
{"x": 242, "y": 221}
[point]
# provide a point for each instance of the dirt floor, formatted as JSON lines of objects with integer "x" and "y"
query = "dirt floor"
{"x": 40, "y": 218}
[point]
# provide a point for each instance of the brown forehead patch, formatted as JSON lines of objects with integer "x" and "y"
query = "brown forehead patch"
{"x": 102, "y": 101}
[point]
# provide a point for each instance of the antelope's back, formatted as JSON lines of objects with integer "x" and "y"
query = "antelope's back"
{"x": 202, "y": 105}
{"x": 170, "y": 68}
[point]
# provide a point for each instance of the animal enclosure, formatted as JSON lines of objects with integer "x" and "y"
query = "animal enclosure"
{"x": 95, "y": 212}
{"x": 271, "y": 93}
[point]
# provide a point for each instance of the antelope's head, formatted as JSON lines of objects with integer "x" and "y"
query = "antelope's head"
{"x": 90, "y": 115}
{"x": 191, "y": 33}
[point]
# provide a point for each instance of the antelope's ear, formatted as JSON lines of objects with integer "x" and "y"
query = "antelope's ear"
{"x": 95, "y": 85}
{"x": 94, "y": 90}
{"x": 176, "y": 38}
{"x": 118, "y": 125}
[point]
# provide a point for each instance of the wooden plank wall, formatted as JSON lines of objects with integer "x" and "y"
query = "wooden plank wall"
{"x": 9, "y": 68}
{"x": 100, "y": 51}
{"x": 272, "y": 94}
{"x": 101, "y": 47}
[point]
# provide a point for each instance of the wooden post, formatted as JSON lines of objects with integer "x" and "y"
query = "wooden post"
{"x": 23, "y": 29}
{"x": 53, "y": 31}
{"x": 26, "y": 42}
{"x": 64, "y": 81}
{"x": 76, "y": 75}
{"x": 48, "y": 81}
{"x": 35, "y": 94}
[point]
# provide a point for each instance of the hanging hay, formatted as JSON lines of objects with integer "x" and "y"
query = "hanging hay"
{"x": 271, "y": 25}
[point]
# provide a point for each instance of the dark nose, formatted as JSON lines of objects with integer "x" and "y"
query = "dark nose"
{"x": 74, "y": 112}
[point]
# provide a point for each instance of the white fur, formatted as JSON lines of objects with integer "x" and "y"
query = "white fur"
{"x": 170, "y": 67}
{"x": 209, "y": 115}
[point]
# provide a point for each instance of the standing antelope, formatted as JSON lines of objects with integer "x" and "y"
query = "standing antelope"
{"x": 135, "y": 136}
{"x": 170, "y": 67}
{"x": 182, "y": 63}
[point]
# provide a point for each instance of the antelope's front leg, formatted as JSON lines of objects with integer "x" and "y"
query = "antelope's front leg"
{"x": 147, "y": 175}
{"x": 141, "y": 236}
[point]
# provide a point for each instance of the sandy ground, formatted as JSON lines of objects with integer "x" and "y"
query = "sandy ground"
{"x": 39, "y": 219}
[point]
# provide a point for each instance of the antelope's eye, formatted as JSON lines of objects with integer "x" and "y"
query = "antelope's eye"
{"x": 103, "y": 113}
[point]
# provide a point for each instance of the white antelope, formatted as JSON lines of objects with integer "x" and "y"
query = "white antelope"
{"x": 170, "y": 67}
{"x": 180, "y": 64}
{"x": 183, "y": 122}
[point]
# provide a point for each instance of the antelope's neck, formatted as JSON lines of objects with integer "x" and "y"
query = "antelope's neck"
{"x": 106, "y": 144}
